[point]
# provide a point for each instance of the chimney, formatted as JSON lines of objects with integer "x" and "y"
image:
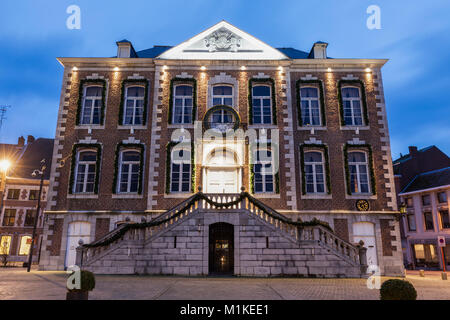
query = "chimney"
{"x": 319, "y": 50}
{"x": 21, "y": 141}
{"x": 412, "y": 150}
{"x": 125, "y": 49}
{"x": 30, "y": 139}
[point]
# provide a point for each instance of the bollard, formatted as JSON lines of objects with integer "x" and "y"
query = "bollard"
{"x": 444, "y": 275}
{"x": 422, "y": 273}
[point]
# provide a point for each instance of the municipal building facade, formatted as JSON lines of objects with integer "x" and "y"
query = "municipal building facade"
{"x": 222, "y": 155}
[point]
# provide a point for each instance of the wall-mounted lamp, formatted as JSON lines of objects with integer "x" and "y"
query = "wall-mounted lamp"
{"x": 116, "y": 69}
{"x": 203, "y": 68}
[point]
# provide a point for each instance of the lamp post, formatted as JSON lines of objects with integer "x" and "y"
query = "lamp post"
{"x": 36, "y": 172}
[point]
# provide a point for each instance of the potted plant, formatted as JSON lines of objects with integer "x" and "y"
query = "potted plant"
{"x": 87, "y": 283}
{"x": 396, "y": 289}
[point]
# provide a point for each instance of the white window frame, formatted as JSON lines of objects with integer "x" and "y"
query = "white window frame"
{"x": 358, "y": 174}
{"x": 135, "y": 100}
{"x": 351, "y": 100}
{"x": 180, "y": 172}
{"x": 261, "y": 107}
{"x": 314, "y": 173}
{"x": 309, "y": 99}
{"x": 87, "y": 163}
{"x": 222, "y": 97}
{"x": 183, "y": 98}
{"x": 130, "y": 165}
{"x": 93, "y": 99}
{"x": 264, "y": 176}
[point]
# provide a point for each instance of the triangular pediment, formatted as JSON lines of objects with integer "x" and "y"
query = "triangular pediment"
{"x": 223, "y": 41}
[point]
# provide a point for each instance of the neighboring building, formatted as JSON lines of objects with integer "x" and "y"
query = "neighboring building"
{"x": 117, "y": 161}
{"x": 21, "y": 192}
{"x": 423, "y": 184}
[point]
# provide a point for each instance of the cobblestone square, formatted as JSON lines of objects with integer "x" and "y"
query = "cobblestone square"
{"x": 16, "y": 284}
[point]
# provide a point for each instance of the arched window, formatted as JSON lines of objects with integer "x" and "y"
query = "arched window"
{"x": 92, "y": 102}
{"x": 134, "y": 106}
{"x": 85, "y": 171}
{"x": 358, "y": 169}
{"x": 180, "y": 175}
{"x": 351, "y": 98}
{"x": 222, "y": 95}
{"x": 129, "y": 170}
{"x": 263, "y": 170}
{"x": 262, "y": 104}
{"x": 314, "y": 172}
{"x": 183, "y": 104}
{"x": 310, "y": 106}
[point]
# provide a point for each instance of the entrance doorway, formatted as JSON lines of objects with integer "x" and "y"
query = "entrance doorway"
{"x": 365, "y": 231}
{"x": 221, "y": 172}
{"x": 77, "y": 231}
{"x": 221, "y": 248}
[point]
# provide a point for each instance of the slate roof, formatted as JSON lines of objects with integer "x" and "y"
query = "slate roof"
{"x": 428, "y": 180}
{"x": 31, "y": 158}
{"x": 407, "y": 157}
{"x": 158, "y": 50}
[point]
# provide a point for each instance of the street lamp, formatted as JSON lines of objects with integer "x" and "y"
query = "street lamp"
{"x": 36, "y": 172}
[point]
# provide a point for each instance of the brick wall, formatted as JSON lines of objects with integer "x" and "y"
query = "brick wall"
{"x": 341, "y": 228}
{"x": 101, "y": 227}
{"x": 55, "y": 237}
{"x": 386, "y": 237}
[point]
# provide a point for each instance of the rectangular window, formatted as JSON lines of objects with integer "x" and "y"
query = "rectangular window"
{"x": 85, "y": 172}
{"x": 5, "y": 244}
{"x": 222, "y": 95}
{"x": 183, "y": 104}
{"x": 262, "y": 104}
{"x": 92, "y": 102}
{"x": 359, "y": 172}
{"x": 25, "y": 245}
{"x": 180, "y": 171}
{"x": 9, "y": 217}
{"x": 411, "y": 222}
{"x": 442, "y": 197}
{"x": 445, "y": 221}
{"x": 310, "y": 106}
{"x": 351, "y": 99}
{"x": 29, "y": 218}
{"x": 314, "y": 172}
{"x": 426, "y": 200}
{"x": 134, "y": 106}
{"x": 409, "y": 202}
{"x": 428, "y": 220}
{"x": 13, "y": 194}
{"x": 425, "y": 255}
{"x": 34, "y": 194}
{"x": 263, "y": 172}
{"x": 130, "y": 162}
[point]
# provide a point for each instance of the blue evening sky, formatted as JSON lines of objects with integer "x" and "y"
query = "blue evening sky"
{"x": 415, "y": 36}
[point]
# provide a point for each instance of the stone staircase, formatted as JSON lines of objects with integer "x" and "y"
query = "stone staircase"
{"x": 125, "y": 249}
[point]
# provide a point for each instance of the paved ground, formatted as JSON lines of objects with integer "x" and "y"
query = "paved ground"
{"x": 15, "y": 283}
